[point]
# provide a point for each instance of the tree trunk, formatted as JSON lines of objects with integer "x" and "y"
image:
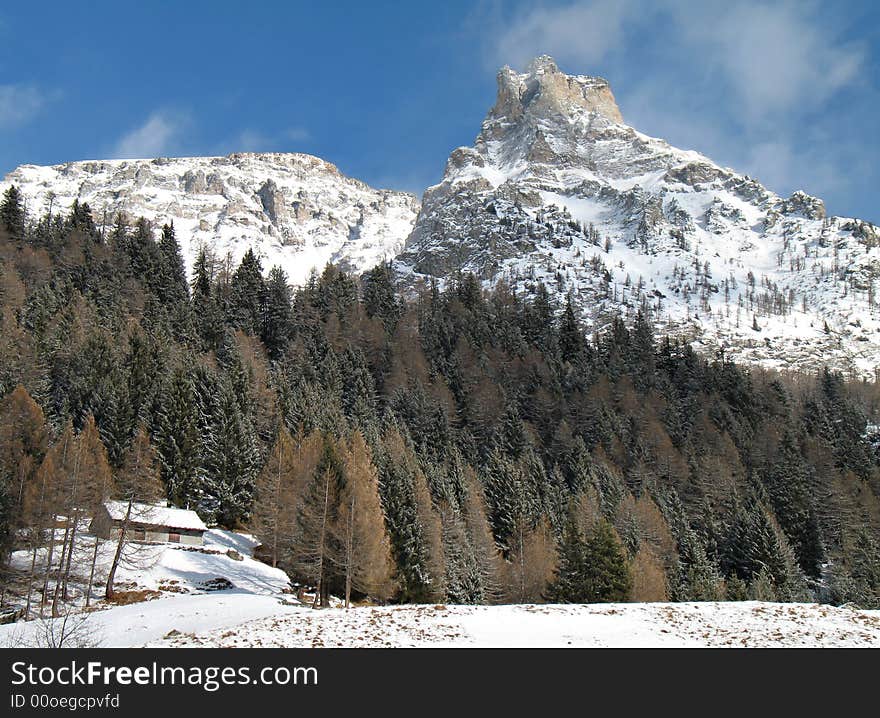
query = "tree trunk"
{"x": 36, "y": 541}
{"x": 277, "y": 508}
{"x": 320, "y": 593}
{"x": 60, "y": 567}
{"x": 74, "y": 496}
{"x": 66, "y": 579}
{"x": 27, "y": 606}
{"x": 92, "y": 572}
{"x": 108, "y": 591}
{"x": 49, "y": 555}
{"x": 522, "y": 567}
{"x": 349, "y": 546}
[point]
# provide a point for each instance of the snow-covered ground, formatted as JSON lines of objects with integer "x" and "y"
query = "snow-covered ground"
{"x": 238, "y": 619}
{"x": 177, "y": 604}
{"x": 606, "y": 625}
{"x": 212, "y": 586}
{"x": 172, "y": 568}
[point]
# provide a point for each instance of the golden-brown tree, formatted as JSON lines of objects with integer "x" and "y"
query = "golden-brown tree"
{"x": 273, "y": 519}
{"x": 649, "y": 577}
{"x": 99, "y": 486}
{"x": 366, "y": 557}
{"x": 532, "y": 563}
{"x": 479, "y": 534}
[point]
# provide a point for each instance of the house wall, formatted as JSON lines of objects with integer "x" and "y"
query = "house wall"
{"x": 104, "y": 527}
{"x": 160, "y": 534}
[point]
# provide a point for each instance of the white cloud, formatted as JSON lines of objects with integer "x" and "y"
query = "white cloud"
{"x": 776, "y": 58}
{"x": 154, "y": 138}
{"x": 296, "y": 134}
{"x": 251, "y": 140}
{"x": 19, "y": 103}
{"x": 773, "y": 57}
{"x": 581, "y": 33}
{"x": 747, "y": 82}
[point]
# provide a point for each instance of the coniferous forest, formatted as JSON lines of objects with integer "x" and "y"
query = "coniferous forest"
{"x": 451, "y": 444}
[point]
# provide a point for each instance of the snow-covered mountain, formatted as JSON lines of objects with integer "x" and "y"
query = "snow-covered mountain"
{"x": 292, "y": 209}
{"x": 558, "y": 188}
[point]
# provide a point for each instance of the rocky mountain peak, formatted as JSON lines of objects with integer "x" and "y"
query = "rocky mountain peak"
{"x": 558, "y": 190}
{"x": 544, "y": 90}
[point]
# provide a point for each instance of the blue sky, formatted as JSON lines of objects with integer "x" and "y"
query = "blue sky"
{"x": 788, "y": 92}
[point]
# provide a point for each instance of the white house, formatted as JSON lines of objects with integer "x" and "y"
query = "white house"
{"x": 149, "y": 523}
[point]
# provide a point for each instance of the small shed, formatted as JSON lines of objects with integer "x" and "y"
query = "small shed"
{"x": 149, "y": 523}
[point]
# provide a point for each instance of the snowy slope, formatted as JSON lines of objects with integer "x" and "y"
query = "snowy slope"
{"x": 171, "y": 568}
{"x": 622, "y": 625}
{"x": 218, "y": 585}
{"x": 557, "y": 188}
{"x": 237, "y": 619}
{"x": 292, "y": 209}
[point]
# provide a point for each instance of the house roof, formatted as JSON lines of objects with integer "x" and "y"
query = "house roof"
{"x": 154, "y": 515}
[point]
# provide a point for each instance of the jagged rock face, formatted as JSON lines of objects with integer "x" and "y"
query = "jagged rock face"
{"x": 544, "y": 90}
{"x": 292, "y": 209}
{"x": 558, "y": 189}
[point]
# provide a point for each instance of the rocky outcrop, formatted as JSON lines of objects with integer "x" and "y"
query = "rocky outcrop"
{"x": 543, "y": 89}
{"x": 803, "y": 204}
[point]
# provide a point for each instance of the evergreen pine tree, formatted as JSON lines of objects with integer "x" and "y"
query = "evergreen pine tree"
{"x": 276, "y": 324}
{"x": 607, "y": 575}
{"x": 571, "y": 336}
{"x": 788, "y": 488}
{"x": 231, "y": 462}
{"x": 569, "y": 581}
{"x": 12, "y": 213}
{"x": 170, "y": 280}
{"x": 379, "y": 297}
{"x": 413, "y": 545}
{"x": 247, "y": 294}
{"x": 178, "y": 438}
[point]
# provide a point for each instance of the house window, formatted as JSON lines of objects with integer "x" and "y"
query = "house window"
{"x": 174, "y": 538}
{"x": 139, "y": 534}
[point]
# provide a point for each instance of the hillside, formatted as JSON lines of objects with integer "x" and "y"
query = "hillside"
{"x": 395, "y": 440}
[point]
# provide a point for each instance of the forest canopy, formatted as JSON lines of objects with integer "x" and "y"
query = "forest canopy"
{"x": 453, "y": 444}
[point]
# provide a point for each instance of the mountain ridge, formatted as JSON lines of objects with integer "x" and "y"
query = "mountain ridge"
{"x": 293, "y": 209}
{"x": 556, "y": 189}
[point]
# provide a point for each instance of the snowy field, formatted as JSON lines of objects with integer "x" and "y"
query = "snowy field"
{"x": 257, "y": 609}
{"x": 238, "y": 619}
{"x": 608, "y": 625}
